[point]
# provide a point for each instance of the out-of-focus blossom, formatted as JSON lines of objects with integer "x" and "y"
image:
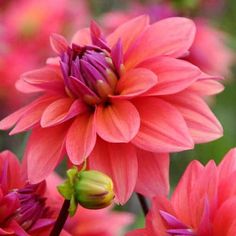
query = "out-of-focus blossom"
{"x": 209, "y": 51}
{"x": 123, "y": 101}
{"x": 202, "y": 204}
{"x": 86, "y": 222}
{"x": 25, "y": 28}
{"x": 113, "y": 19}
{"x": 23, "y": 210}
{"x": 209, "y": 42}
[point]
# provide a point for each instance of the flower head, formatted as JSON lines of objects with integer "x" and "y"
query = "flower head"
{"x": 120, "y": 101}
{"x": 23, "y": 209}
{"x": 202, "y": 203}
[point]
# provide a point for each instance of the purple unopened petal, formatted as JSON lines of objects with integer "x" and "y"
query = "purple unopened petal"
{"x": 172, "y": 221}
{"x": 181, "y": 232}
{"x": 97, "y": 37}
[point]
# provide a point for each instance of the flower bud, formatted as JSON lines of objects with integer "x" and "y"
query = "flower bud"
{"x": 93, "y": 189}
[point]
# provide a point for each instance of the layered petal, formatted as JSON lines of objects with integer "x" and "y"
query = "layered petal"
{"x": 135, "y": 82}
{"x": 163, "y": 130}
{"x": 128, "y": 32}
{"x": 33, "y": 115}
{"x": 44, "y": 150}
{"x": 119, "y": 161}
{"x": 62, "y": 110}
{"x": 202, "y": 123}
{"x": 117, "y": 122}
{"x": 46, "y": 79}
{"x": 81, "y": 138}
{"x": 82, "y": 37}
{"x": 153, "y": 173}
{"x": 171, "y": 36}
{"x": 174, "y": 75}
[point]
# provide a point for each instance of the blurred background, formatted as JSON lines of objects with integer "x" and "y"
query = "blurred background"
{"x": 25, "y": 26}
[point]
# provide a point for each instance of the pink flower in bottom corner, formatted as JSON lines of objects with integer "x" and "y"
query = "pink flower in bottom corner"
{"x": 203, "y": 203}
{"x": 121, "y": 102}
{"x": 103, "y": 222}
{"x": 23, "y": 209}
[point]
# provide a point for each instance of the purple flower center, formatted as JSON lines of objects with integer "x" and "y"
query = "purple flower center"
{"x": 91, "y": 72}
{"x": 32, "y": 205}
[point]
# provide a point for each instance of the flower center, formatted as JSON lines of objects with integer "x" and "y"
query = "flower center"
{"x": 32, "y": 205}
{"x": 91, "y": 72}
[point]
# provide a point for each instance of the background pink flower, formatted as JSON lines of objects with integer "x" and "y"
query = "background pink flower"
{"x": 202, "y": 203}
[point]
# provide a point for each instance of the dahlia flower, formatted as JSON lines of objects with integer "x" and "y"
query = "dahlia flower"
{"x": 202, "y": 204}
{"x": 120, "y": 102}
{"x": 23, "y": 209}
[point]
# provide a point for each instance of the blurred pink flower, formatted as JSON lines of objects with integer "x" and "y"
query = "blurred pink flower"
{"x": 209, "y": 42}
{"x": 86, "y": 222}
{"x": 202, "y": 204}
{"x": 209, "y": 51}
{"x": 123, "y": 101}
{"x": 23, "y": 209}
{"x": 25, "y": 27}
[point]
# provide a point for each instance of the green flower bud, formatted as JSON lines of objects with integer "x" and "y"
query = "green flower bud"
{"x": 93, "y": 189}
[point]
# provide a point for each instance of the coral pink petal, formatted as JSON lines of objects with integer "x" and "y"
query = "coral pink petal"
{"x": 45, "y": 78}
{"x": 171, "y": 36}
{"x": 202, "y": 123}
{"x": 224, "y": 222}
{"x": 10, "y": 120}
{"x": 81, "y": 138}
{"x": 206, "y": 87}
{"x": 162, "y": 131}
{"x": 135, "y": 82}
{"x": 44, "y": 150}
{"x": 181, "y": 196}
{"x": 11, "y": 179}
{"x": 153, "y": 173}
{"x": 128, "y": 32}
{"x": 82, "y": 37}
{"x": 117, "y": 122}
{"x": 138, "y": 232}
{"x": 119, "y": 161}
{"x": 58, "y": 43}
{"x": 33, "y": 115}
{"x": 24, "y": 87}
{"x": 228, "y": 164}
{"x": 62, "y": 110}
{"x": 174, "y": 75}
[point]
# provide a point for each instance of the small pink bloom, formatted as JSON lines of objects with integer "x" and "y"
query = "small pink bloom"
{"x": 202, "y": 204}
{"x": 23, "y": 208}
{"x": 120, "y": 101}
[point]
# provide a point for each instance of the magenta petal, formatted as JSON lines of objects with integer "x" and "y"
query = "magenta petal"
{"x": 119, "y": 161}
{"x": 163, "y": 128}
{"x": 153, "y": 173}
{"x": 44, "y": 150}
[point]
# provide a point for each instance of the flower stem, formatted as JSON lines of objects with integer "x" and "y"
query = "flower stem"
{"x": 143, "y": 203}
{"x": 61, "y": 219}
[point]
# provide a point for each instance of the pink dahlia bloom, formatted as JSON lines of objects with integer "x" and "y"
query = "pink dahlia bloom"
{"x": 210, "y": 43}
{"x": 86, "y": 222}
{"x": 202, "y": 204}
{"x": 121, "y": 102}
{"x": 23, "y": 210}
